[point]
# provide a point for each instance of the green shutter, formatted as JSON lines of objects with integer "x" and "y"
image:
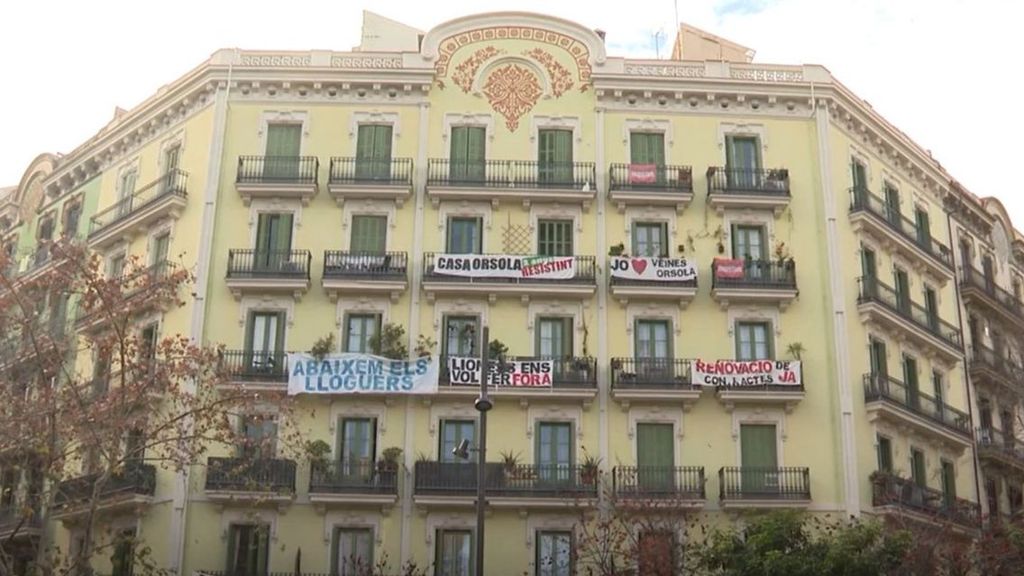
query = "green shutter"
{"x": 373, "y": 151}
{"x": 284, "y": 140}
{"x": 758, "y": 446}
{"x": 884, "y": 454}
{"x": 654, "y": 445}
{"x": 948, "y": 483}
{"x": 369, "y": 234}
{"x": 468, "y": 151}
{"x": 917, "y": 468}
{"x": 554, "y": 156}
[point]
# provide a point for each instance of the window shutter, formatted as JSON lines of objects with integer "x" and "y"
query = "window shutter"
{"x": 284, "y": 140}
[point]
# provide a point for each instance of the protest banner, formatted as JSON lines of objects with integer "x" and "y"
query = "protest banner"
{"x": 516, "y": 373}
{"x": 360, "y": 374}
{"x": 729, "y": 268}
{"x": 653, "y": 269}
{"x": 505, "y": 266}
{"x": 740, "y": 373}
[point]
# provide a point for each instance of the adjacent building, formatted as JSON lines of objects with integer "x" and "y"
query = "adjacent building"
{"x": 706, "y": 208}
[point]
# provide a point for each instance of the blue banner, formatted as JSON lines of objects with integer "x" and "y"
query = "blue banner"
{"x": 345, "y": 374}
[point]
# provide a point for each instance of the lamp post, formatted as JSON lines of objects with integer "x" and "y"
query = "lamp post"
{"x": 483, "y": 405}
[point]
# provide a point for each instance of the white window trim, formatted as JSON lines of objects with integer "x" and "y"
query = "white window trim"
{"x": 759, "y": 131}
{"x": 446, "y": 521}
{"x": 652, "y": 311}
{"x": 269, "y": 117}
{"x": 659, "y": 214}
{"x": 446, "y": 411}
{"x": 571, "y": 414}
{"x": 546, "y": 523}
{"x": 459, "y": 307}
{"x": 119, "y": 251}
{"x": 165, "y": 228}
{"x": 538, "y": 123}
{"x": 760, "y": 218}
{"x": 360, "y": 305}
{"x": 368, "y": 207}
{"x": 335, "y": 519}
{"x": 760, "y": 415}
{"x": 358, "y": 409}
{"x": 452, "y": 119}
{"x": 574, "y": 310}
{"x": 756, "y": 314}
{"x": 375, "y": 118}
{"x": 545, "y": 211}
{"x": 856, "y": 153}
{"x": 480, "y": 210}
{"x": 267, "y": 303}
{"x": 656, "y": 415}
{"x": 129, "y": 166}
{"x": 248, "y": 517}
{"x": 175, "y": 139}
{"x": 647, "y": 125}
{"x": 273, "y": 206}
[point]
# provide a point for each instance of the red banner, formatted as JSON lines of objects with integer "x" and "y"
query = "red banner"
{"x": 728, "y": 268}
{"x": 643, "y": 173}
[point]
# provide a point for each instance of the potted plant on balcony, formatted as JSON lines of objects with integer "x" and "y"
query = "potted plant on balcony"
{"x": 496, "y": 349}
{"x": 389, "y": 460}
{"x": 590, "y": 468}
{"x": 424, "y": 346}
{"x": 617, "y": 249}
{"x": 510, "y": 463}
{"x": 322, "y": 347}
{"x": 390, "y": 342}
{"x": 777, "y": 178}
{"x": 317, "y": 452}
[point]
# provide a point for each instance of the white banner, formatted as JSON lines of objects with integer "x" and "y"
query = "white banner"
{"x": 739, "y": 373}
{"x": 517, "y": 373}
{"x": 656, "y": 269}
{"x": 502, "y": 266}
{"x": 360, "y": 374}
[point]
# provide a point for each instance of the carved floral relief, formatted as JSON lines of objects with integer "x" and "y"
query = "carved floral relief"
{"x": 512, "y": 91}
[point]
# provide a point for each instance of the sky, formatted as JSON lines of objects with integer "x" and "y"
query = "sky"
{"x": 940, "y": 70}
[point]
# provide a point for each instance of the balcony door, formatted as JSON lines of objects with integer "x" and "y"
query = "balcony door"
{"x": 373, "y": 152}
{"x": 931, "y": 308}
{"x": 161, "y": 247}
{"x": 273, "y": 242}
{"x": 653, "y": 350}
{"x": 868, "y": 269}
{"x": 172, "y": 158}
{"x": 860, "y": 178}
{"x": 748, "y": 245}
{"x": 264, "y": 343}
{"x": 357, "y": 438}
{"x": 248, "y": 549}
{"x": 647, "y": 148}
{"x": 759, "y": 458}
{"x": 554, "y": 553}
{"x": 902, "y": 288}
{"x": 359, "y": 332}
{"x": 461, "y": 336}
{"x": 125, "y": 189}
{"x": 989, "y": 272}
{"x": 918, "y": 472}
{"x": 753, "y": 341}
{"x": 879, "y": 361}
{"x": 454, "y": 553}
{"x": 910, "y": 381}
{"x": 554, "y": 337}
{"x": 650, "y": 239}
{"x": 554, "y": 157}
{"x": 369, "y": 234}
{"x": 554, "y": 451}
{"x": 259, "y": 433}
{"x": 743, "y": 162}
{"x": 122, "y": 561}
{"x": 465, "y": 235}
{"x": 468, "y": 154}
{"x": 892, "y": 205}
{"x": 353, "y": 552}
{"x": 284, "y": 144}
{"x": 655, "y": 456}
{"x": 554, "y": 237}
{"x": 924, "y": 231}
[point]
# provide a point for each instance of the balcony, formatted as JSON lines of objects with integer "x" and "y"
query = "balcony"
{"x": 462, "y": 275}
{"x": 370, "y": 179}
{"x": 748, "y": 188}
{"x": 262, "y": 272}
{"x": 997, "y": 447}
{"x": 362, "y": 273}
{"x": 681, "y": 486}
{"x": 267, "y": 480}
{"x": 516, "y": 180}
{"x": 889, "y": 399}
{"x": 871, "y": 215}
{"x": 680, "y": 291}
{"x": 143, "y": 290}
{"x": 749, "y": 487}
{"x": 753, "y": 282}
{"x": 977, "y": 290}
{"x": 353, "y": 484}
{"x": 573, "y": 379}
{"x": 521, "y": 486}
{"x": 287, "y": 177}
{"x": 265, "y": 371}
{"x": 126, "y": 491}
{"x": 19, "y": 521}
{"x": 659, "y": 380}
{"x": 993, "y": 369}
{"x": 650, "y": 185}
{"x": 134, "y": 215}
{"x": 880, "y": 305}
{"x": 891, "y": 494}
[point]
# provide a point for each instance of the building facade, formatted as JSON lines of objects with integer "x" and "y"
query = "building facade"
{"x": 322, "y": 193}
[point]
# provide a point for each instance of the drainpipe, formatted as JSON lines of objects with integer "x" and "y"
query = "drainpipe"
{"x": 967, "y": 376}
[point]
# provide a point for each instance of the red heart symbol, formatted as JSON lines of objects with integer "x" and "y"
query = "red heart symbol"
{"x": 639, "y": 265}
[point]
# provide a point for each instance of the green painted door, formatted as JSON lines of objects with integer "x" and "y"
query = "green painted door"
{"x": 369, "y": 234}
{"x": 879, "y": 359}
{"x": 653, "y": 351}
{"x": 649, "y": 148}
{"x": 554, "y": 454}
{"x": 273, "y": 242}
{"x": 248, "y": 549}
{"x": 353, "y": 552}
{"x": 468, "y": 154}
{"x": 918, "y": 472}
{"x": 464, "y": 235}
{"x": 264, "y": 343}
{"x": 910, "y": 380}
{"x": 931, "y": 307}
{"x": 860, "y": 178}
{"x": 284, "y": 143}
{"x": 892, "y": 204}
{"x": 554, "y": 157}
{"x": 743, "y": 161}
{"x": 759, "y": 457}
{"x": 373, "y": 152}
{"x": 554, "y": 238}
{"x": 357, "y": 441}
{"x": 748, "y": 245}
{"x": 655, "y": 456}
{"x": 902, "y": 288}
{"x": 924, "y": 228}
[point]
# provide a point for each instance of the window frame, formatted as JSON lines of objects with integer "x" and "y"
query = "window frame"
{"x": 376, "y": 318}
{"x": 336, "y": 545}
{"x": 539, "y": 536}
{"x": 563, "y": 244}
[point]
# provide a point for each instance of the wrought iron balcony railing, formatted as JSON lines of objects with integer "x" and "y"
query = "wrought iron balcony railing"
{"x": 651, "y": 177}
{"x": 278, "y": 170}
{"x": 293, "y": 264}
{"x": 365, "y": 265}
{"x": 890, "y": 490}
{"x": 862, "y": 200}
{"x": 984, "y": 357}
{"x": 255, "y": 366}
{"x": 1010, "y": 303}
{"x": 755, "y": 483}
{"x": 173, "y": 183}
{"x": 135, "y": 479}
{"x": 511, "y": 174}
{"x": 367, "y": 477}
{"x": 758, "y": 181}
{"x": 567, "y": 373}
{"x": 529, "y": 480}
{"x": 250, "y": 475}
{"x": 371, "y": 171}
{"x": 684, "y": 482}
{"x": 882, "y": 388}
{"x": 650, "y": 373}
{"x": 585, "y": 274}
{"x": 873, "y": 290}
{"x": 758, "y": 275}
{"x": 994, "y": 439}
